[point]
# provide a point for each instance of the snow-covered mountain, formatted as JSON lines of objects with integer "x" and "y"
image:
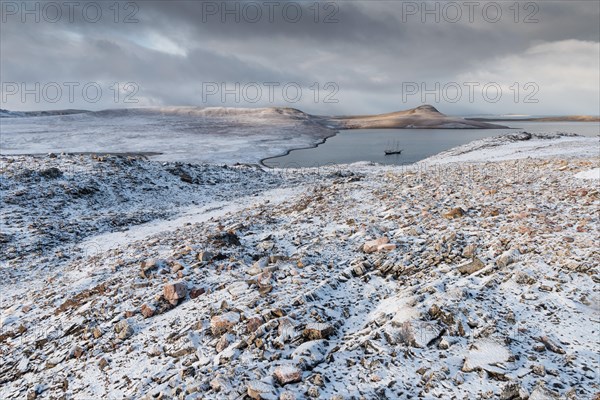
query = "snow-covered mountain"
{"x": 191, "y": 134}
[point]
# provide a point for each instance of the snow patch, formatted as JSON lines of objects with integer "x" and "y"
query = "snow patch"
{"x": 591, "y": 174}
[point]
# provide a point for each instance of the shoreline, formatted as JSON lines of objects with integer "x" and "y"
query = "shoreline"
{"x": 322, "y": 141}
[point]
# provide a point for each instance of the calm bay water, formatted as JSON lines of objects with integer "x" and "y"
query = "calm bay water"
{"x": 416, "y": 144}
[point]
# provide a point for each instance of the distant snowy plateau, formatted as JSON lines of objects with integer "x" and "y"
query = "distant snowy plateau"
{"x": 189, "y": 134}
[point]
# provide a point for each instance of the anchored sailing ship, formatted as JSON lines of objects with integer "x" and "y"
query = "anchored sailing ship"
{"x": 393, "y": 150}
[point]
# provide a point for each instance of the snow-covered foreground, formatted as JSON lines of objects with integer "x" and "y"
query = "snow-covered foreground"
{"x": 443, "y": 280}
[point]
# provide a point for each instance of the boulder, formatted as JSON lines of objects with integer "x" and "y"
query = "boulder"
{"x": 456, "y": 212}
{"x": 147, "y": 311}
{"x": 471, "y": 267}
{"x": 174, "y": 292}
{"x": 196, "y": 292}
{"x": 150, "y": 267}
{"x": 123, "y": 329}
{"x": 315, "y": 331}
{"x": 253, "y": 323}
{"x": 204, "y": 256}
{"x": 258, "y": 390}
{"x": 285, "y": 374}
{"x": 373, "y": 245}
{"x": 220, "y": 324}
{"x": 507, "y": 258}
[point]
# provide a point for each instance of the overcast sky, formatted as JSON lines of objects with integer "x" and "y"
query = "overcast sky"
{"x": 329, "y": 57}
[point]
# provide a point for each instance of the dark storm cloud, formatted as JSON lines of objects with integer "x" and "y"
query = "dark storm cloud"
{"x": 368, "y": 49}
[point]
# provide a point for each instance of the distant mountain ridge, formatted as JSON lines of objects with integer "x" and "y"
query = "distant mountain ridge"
{"x": 422, "y": 117}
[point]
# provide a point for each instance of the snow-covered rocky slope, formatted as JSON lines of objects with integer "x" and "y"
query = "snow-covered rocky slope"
{"x": 189, "y": 134}
{"x": 520, "y": 145}
{"x": 442, "y": 280}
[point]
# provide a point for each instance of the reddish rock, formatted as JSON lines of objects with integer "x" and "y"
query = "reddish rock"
{"x": 258, "y": 390}
{"x": 222, "y": 323}
{"x": 173, "y": 292}
{"x": 454, "y": 213}
{"x": 373, "y": 245}
{"x": 196, "y": 292}
{"x": 253, "y": 323}
{"x": 285, "y": 374}
{"x": 314, "y": 331}
{"x": 150, "y": 267}
{"x": 102, "y": 363}
{"x": 147, "y": 311}
{"x": 223, "y": 342}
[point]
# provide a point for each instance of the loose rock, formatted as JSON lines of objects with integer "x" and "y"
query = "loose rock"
{"x": 285, "y": 374}
{"x": 222, "y": 323}
{"x": 314, "y": 331}
{"x": 174, "y": 292}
